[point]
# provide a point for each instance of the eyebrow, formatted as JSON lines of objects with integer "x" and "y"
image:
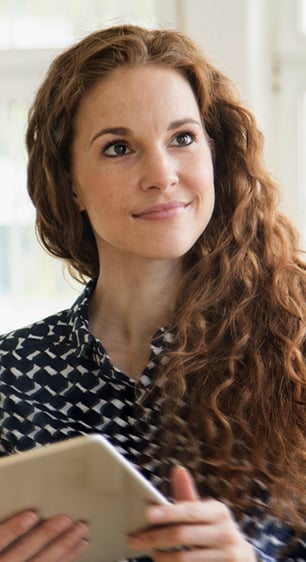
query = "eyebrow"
{"x": 185, "y": 121}
{"x": 125, "y": 131}
{"x": 111, "y": 131}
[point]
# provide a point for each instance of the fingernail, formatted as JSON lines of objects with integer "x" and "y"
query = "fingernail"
{"x": 81, "y": 528}
{"x": 82, "y": 545}
{"x": 155, "y": 514}
{"x": 29, "y": 519}
{"x": 136, "y": 543}
{"x": 61, "y": 523}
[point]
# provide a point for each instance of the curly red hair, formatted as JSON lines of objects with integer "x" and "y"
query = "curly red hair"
{"x": 238, "y": 359}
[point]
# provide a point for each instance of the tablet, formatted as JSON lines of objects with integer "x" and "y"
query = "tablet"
{"x": 84, "y": 477}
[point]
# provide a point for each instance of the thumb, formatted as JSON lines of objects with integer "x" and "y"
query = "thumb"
{"x": 183, "y": 485}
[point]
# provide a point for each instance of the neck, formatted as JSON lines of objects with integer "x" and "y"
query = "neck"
{"x": 128, "y": 306}
{"x": 136, "y": 304}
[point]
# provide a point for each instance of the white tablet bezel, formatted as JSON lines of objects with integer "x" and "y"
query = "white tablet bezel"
{"x": 84, "y": 477}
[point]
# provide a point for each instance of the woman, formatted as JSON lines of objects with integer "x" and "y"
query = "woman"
{"x": 186, "y": 347}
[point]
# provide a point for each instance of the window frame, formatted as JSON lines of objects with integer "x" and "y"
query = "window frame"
{"x": 289, "y": 89}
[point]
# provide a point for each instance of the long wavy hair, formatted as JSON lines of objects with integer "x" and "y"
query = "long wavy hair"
{"x": 237, "y": 363}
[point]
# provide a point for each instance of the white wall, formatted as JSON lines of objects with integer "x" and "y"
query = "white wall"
{"x": 236, "y": 35}
{"x": 246, "y": 39}
{"x": 219, "y": 26}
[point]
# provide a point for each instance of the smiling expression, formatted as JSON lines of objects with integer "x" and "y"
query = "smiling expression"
{"x": 141, "y": 163}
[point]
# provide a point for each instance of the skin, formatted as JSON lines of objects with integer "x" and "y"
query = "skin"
{"x": 127, "y": 159}
{"x": 152, "y": 159}
{"x": 205, "y": 527}
{"x": 164, "y": 155}
{"x": 160, "y": 155}
{"x": 26, "y": 537}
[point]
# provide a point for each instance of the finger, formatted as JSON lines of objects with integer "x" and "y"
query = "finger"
{"x": 66, "y": 547}
{"x": 176, "y": 536}
{"x": 16, "y": 526}
{"x": 243, "y": 552}
{"x": 194, "y": 555}
{"x": 204, "y": 511}
{"x": 223, "y": 534}
{"x": 31, "y": 543}
{"x": 183, "y": 485}
{"x": 223, "y": 542}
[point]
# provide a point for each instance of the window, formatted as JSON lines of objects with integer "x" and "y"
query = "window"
{"x": 28, "y": 24}
{"x": 302, "y": 12}
{"x": 290, "y": 108}
{"x": 302, "y": 155}
{"x": 32, "y": 284}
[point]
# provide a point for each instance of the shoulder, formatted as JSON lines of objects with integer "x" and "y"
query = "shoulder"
{"x": 47, "y": 340}
{"x": 39, "y": 335}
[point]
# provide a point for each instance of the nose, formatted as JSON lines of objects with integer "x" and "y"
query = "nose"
{"x": 158, "y": 171}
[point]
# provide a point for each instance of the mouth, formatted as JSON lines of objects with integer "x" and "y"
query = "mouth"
{"x": 162, "y": 211}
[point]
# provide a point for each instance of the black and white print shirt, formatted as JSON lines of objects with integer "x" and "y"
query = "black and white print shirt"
{"x": 57, "y": 381}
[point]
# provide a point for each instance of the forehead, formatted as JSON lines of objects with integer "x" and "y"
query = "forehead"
{"x": 142, "y": 89}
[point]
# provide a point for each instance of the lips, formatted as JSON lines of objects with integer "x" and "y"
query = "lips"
{"x": 162, "y": 211}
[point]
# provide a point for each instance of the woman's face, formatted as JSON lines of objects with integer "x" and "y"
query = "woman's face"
{"x": 142, "y": 165}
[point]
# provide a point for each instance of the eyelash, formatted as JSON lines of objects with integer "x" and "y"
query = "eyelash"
{"x": 186, "y": 134}
{"x": 112, "y": 144}
{"x": 123, "y": 143}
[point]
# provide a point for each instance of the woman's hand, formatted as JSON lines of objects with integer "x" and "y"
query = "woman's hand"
{"x": 204, "y": 528}
{"x": 25, "y": 537}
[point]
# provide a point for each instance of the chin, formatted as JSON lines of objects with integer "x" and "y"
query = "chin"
{"x": 170, "y": 253}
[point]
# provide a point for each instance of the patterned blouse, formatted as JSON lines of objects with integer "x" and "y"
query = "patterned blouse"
{"x": 57, "y": 381}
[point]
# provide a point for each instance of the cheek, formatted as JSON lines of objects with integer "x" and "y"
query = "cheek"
{"x": 107, "y": 207}
{"x": 201, "y": 167}
{"x": 204, "y": 182}
{"x": 210, "y": 197}
{"x": 206, "y": 193}
{"x": 109, "y": 187}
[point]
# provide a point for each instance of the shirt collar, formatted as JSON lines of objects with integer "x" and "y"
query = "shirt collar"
{"x": 84, "y": 341}
{"x": 78, "y": 321}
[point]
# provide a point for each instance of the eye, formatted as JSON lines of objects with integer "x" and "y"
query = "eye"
{"x": 183, "y": 139}
{"x": 116, "y": 149}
